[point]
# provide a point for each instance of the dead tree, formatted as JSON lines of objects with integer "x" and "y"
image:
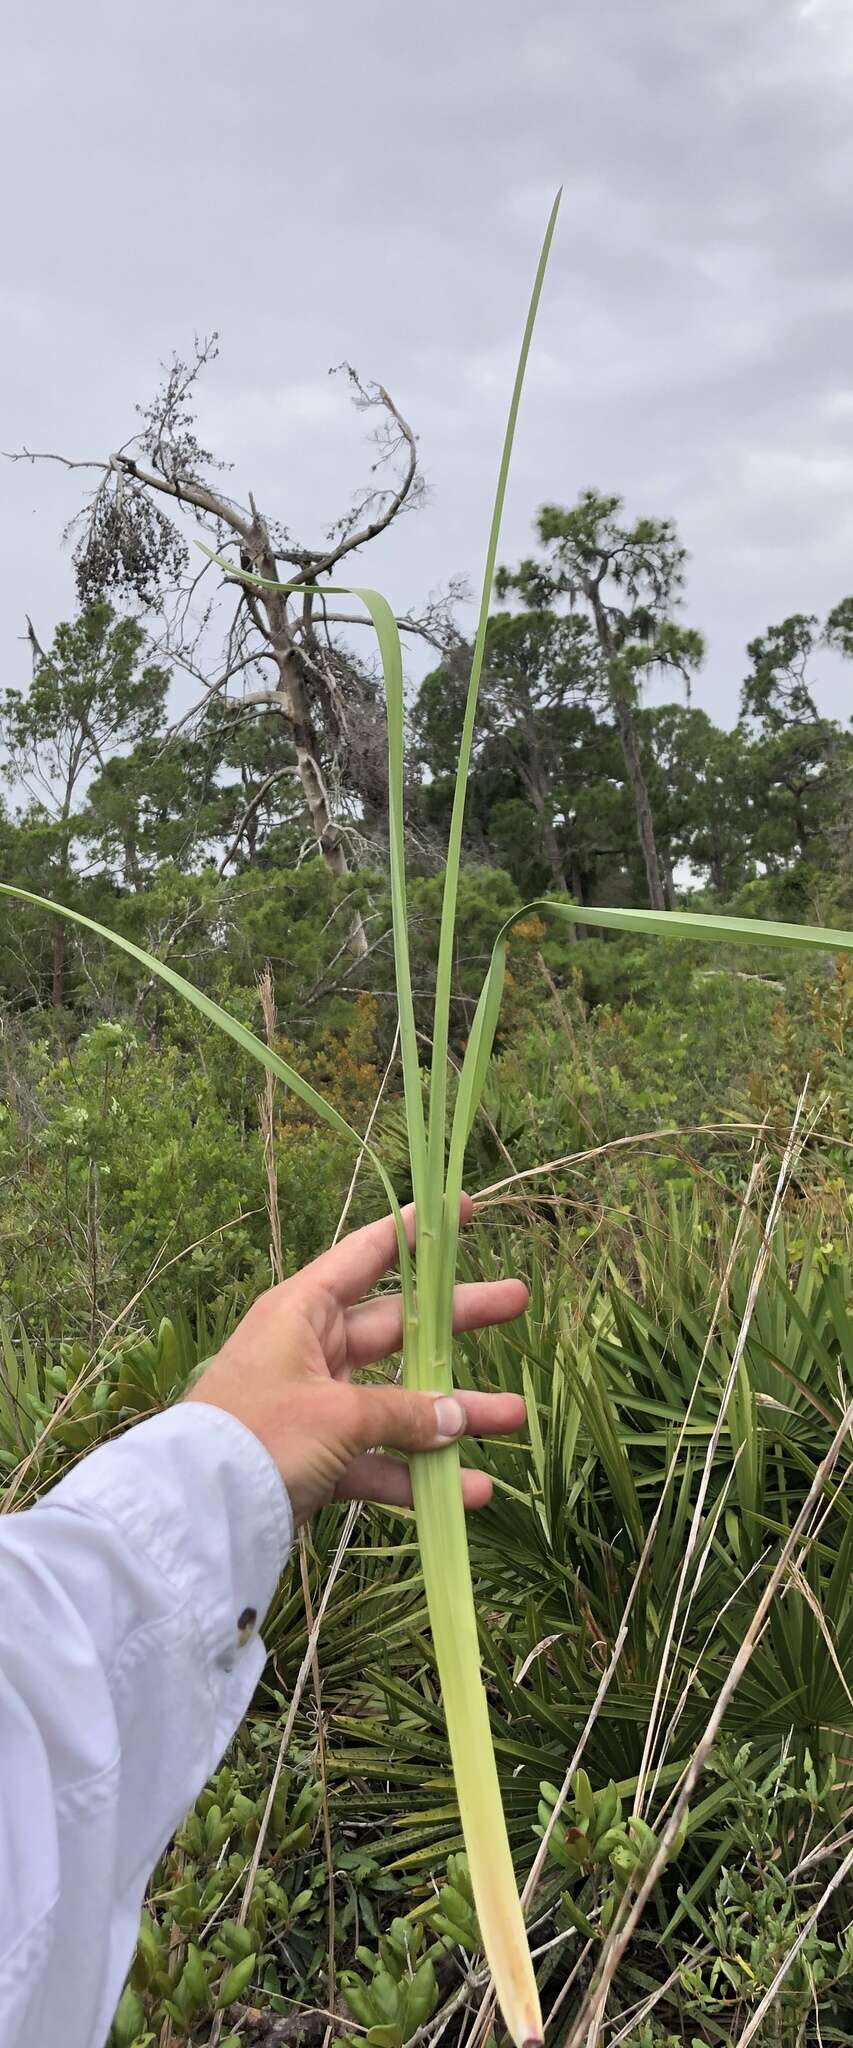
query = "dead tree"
{"x": 282, "y": 652}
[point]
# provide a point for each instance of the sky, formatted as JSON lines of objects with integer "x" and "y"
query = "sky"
{"x": 370, "y": 180}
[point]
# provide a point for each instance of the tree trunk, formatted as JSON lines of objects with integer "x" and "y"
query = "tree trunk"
{"x": 668, "y": 879}
{"x": 578, "y": 931}
{"x": 133, "y": 876}
{"x": 552, "y": 852}
{"x": 624, "y": 717}
{"x": 536, "y": 786}
{"x": 640, "y": 794}
{"x": 57, "y": 993}
{"x": 295, "y": 707}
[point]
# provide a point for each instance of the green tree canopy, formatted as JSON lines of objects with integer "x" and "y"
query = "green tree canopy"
{"x": 624, "y": 582}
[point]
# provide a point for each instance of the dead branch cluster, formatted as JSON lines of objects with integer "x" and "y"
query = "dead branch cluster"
{"x": 282, "y": 652}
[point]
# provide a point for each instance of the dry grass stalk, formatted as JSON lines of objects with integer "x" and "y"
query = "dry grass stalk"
{"x": 315, "y": 1622}
{"x": 266, "y": 1108}
{"x": 266, "y": 990}
{"x": 485, "y": 2014}
{"x": 762, "y": 2009}
{"x": 664, "y": 1678}
{"x": 591, "y": 2011}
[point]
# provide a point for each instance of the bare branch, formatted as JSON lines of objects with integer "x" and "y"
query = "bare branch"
{"x": 432, "y": 625}
{"x": 48, "y": 455}
{"x": 264, "y": 698}
{"x": 250, "y": 810}
{"x": 398, "y": 436}
{"x": 233, "y": 705}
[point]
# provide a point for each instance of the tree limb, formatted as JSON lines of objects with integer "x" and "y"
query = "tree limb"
{"x": 317, "y": 562}
{"x": 404, "y": 625}
{"x": 188, "y": 492}
{"x": 48, "y": 455}
{"x": 249, "y": 813}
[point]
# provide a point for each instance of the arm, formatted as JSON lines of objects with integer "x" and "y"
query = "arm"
{"x": 121, "y": 1683}
{"x": 126, "y": 1661}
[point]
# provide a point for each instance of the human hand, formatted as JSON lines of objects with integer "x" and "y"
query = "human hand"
{"x": 286, "y": 1374}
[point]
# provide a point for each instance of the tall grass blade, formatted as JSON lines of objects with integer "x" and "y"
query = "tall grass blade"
{"x": 702, "y": 928}
{"x": 441, "y": 1018}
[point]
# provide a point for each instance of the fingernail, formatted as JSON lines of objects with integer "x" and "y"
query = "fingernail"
{"x": 450, "y": 1417}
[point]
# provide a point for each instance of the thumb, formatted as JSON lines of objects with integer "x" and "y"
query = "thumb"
{"x": 405, "y": 1421}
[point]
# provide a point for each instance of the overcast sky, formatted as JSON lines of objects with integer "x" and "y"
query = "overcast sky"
{"x": 371, "y": 181}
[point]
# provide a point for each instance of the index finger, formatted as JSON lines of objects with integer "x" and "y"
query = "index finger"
{"x": 349, "y": 1269}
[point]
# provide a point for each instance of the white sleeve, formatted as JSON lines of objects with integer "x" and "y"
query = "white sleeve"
{"x": 126, "y": 1595}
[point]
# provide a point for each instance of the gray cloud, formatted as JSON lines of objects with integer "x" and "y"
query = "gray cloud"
{"x": 372, "y": 181}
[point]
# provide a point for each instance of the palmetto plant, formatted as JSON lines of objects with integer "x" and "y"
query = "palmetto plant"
{"x": 437, "y": 1148}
